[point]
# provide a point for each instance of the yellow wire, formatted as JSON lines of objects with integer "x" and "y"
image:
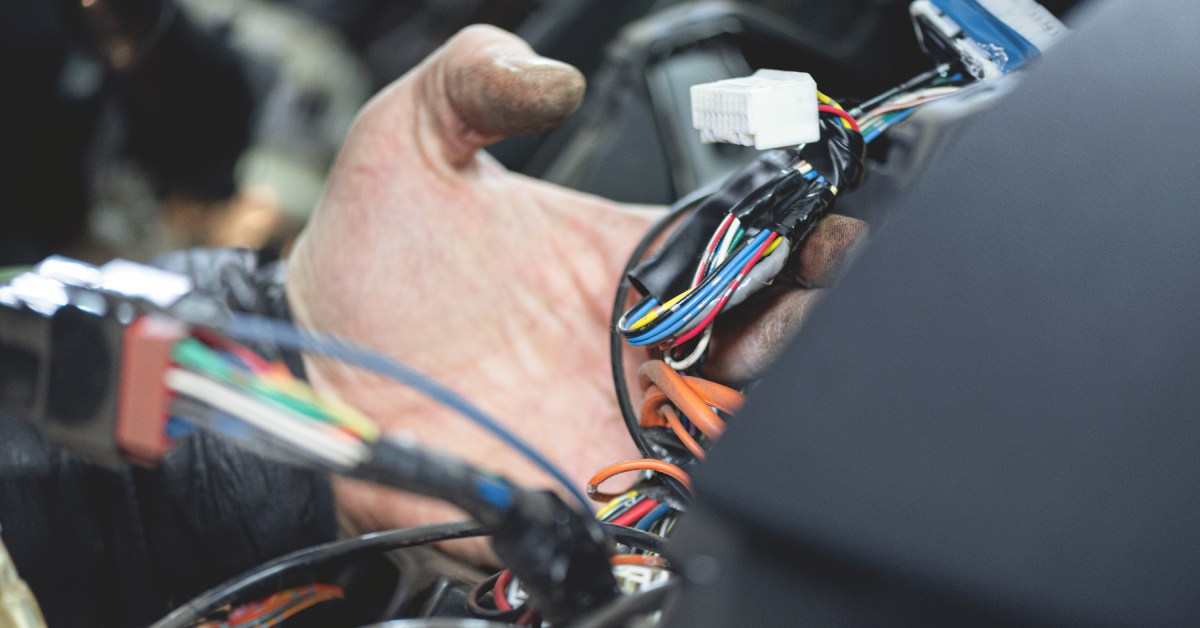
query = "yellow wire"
{"x": 825, "y": 100}
{"x": 351, "y": 418}
{"x": 653, "y": 314}
{"x": 774, "y": 245}
{"x": 345, "y": 414}
{"x": 603, "y": 512}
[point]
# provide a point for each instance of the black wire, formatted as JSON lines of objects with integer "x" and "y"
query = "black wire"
{"x": 626, "y": 607}
{"x": 477, "y": 593}
{"x": 285, "y": 334}
{"x": 265, "y": 579}
{"x": 615, "y": 342}
{"x": 423, "y": 471}
{"x": 906, "y": 86}
{"x": 637, "y": 539}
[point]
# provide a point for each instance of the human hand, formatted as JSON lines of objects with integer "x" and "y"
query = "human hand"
{"x": 498, "y": 285}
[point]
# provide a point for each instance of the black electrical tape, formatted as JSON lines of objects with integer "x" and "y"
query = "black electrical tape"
{"x": 838, "y": 156}
{"x": 426, "y": 472}
{"x": 795, "y": 217}
{"x": 560, "y": 554}
{"x": 669, "y": 271}
{"x": 768, "y": 195}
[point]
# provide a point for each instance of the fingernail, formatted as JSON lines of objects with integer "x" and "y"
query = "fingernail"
{"x": 523, "y": 62}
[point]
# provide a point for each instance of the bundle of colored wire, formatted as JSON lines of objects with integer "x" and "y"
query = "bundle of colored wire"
{"x": 900, "y": 107}
{"x": 695, "y": 308}
{"x": 280, "y": 333}
{"x": 274, "y": 384}
{"x": 318, "y": 442}
{"x": 724, "y": 265}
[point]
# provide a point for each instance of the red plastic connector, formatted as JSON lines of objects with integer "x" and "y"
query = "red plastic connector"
{"x": 143, "y": 403}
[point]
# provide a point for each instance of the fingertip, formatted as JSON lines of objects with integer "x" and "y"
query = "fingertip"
{"x": 505, "y": 89}
{"x": 751, "y": 336}
{"x": 822, "y": 255}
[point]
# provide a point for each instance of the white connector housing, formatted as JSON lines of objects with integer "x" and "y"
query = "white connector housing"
{"x": 769, "y": 109}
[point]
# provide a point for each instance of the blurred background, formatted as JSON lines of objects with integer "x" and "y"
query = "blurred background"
{"x": 131, "y": 127}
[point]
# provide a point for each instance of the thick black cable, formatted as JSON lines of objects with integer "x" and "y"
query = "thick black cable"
{"x": 616, "y": 344}
{"x": 482, "y": 495}
{"x": 637, "y": 539}
{"x": 621, "y": 610}
{"x": 264, "y": 580}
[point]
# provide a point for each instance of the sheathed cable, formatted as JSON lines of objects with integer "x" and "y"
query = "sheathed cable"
{"x": 645, "y": 464}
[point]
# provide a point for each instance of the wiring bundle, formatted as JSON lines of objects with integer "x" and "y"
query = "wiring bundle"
{"x": 727, "y": 244}
{"x": 562, "y": 563}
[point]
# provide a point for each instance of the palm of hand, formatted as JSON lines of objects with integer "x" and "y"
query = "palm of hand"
{"x": 496, "y": 284}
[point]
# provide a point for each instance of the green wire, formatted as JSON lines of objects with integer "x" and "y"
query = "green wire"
{"x": 737, "y": 237}
{"x": 196, "y": 355}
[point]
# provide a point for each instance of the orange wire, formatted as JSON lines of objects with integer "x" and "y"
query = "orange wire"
{"x": 721, "y": 397}
{"x": 644, "y": 560}
{"x": 686, "y": 398}
{"x": 651, "y": 413}
{"x": 641, "y": 464}
{"x": 681, "y": 432}
{"x": 657, "y": 410}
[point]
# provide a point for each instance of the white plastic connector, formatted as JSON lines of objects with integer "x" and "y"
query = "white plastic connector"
{"x": 769, "y": 109}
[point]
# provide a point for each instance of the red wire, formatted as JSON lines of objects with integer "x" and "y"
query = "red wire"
{"x": 728, "y": 293}
{"x": 712, "y": 245}
{"x": 841, "y": 114}
{"x": 256, "y": 363}
{"x": 639, "y": 510}
{"x": 498, "y": 591}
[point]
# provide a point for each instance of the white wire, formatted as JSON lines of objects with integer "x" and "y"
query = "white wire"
{"x": 908, "y": 101}
{"x": 280, "y": 424}
{"x": 726, "y": 242}
{"x": 637, "y": 578}
{"x": 694, "y": 356}
{"x": 712, "y": 242}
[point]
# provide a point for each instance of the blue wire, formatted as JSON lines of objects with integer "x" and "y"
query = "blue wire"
{"x": 494, "y": 493}
{"x": 236, "y": 360}
{"x": 681, "y": 316}
{"x": 879, "y": 131}
{"x": 252, "y": 328}
{"x": 687, "y": 309}
{"x": 637, "y": 316}
{"x": 678, "y": 318}
{"x": 652, "y": 517}
{"x": 179, "y": 427}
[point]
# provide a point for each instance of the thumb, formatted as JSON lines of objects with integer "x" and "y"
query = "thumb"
{"x": 481, "y": 86}
{"x": 750, "y": 337}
